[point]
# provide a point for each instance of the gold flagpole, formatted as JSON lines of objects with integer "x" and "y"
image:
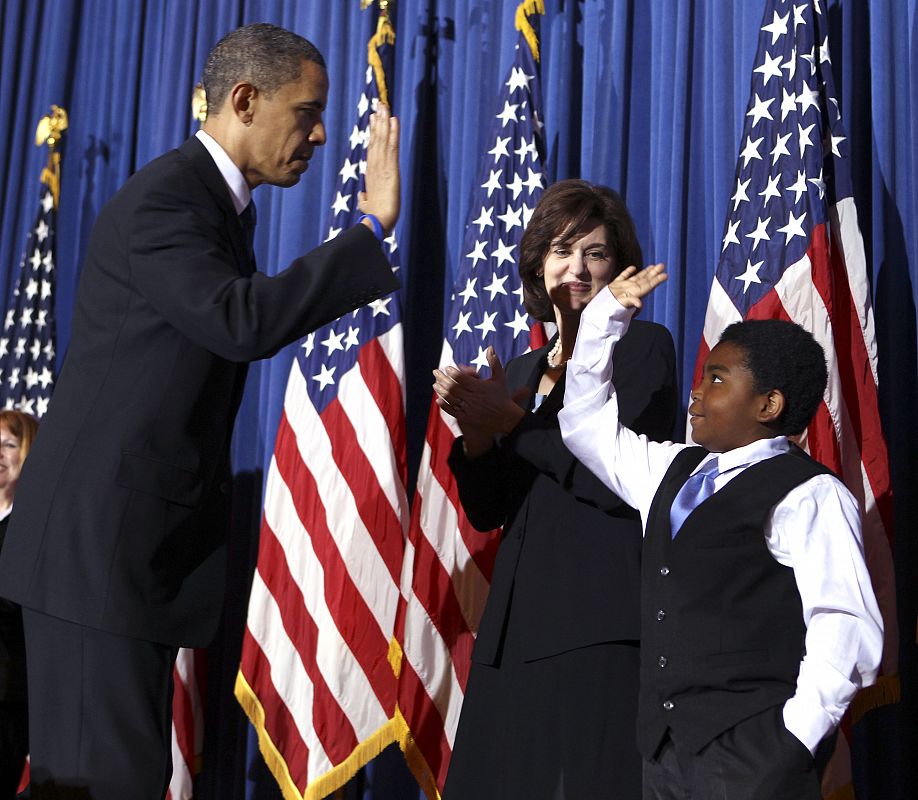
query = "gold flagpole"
{"x": 385, "y": 34}
{"x": 50, "y": 130}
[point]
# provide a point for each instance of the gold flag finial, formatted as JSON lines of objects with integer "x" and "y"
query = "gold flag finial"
{"x": 383, "y": 6}
{"x": 50, "y": 131}
{"x": 385, "y": 34}
{"x": 199, "y": 103}
{"x": 524, "y": 26}
{"x": 51, "y": 127}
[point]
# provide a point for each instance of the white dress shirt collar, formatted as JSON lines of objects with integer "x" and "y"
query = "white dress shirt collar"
{"x": 749, "y": 454}
{"x": 235, "y": 181}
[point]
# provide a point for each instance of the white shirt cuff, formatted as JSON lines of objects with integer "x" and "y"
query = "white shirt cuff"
{"x": 605, "y": 313}
{"x": 822, "y": 696}
{"x": 603, "y": 322}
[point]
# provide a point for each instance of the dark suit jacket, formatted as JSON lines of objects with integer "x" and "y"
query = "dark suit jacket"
{"x": 12, "y": 645}
{"x": 570, "y": 550}
{"x": 121, "y": 509}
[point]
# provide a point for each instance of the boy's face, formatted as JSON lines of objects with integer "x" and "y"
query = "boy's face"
{"x": 726, "y": 412}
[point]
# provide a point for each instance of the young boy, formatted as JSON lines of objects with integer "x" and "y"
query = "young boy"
{"x": 759, "y": 622}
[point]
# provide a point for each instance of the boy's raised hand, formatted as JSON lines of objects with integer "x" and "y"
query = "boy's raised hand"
{"x": 632, "y": 284}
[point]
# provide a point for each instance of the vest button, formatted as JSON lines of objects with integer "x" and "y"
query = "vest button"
{"x": 661, "y": 615}
{"x": 662, "y": 661}
{"x": 668, "y": 705}
{"x": 664, "y": 571}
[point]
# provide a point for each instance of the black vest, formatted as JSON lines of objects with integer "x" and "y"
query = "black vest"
{"x": 722, "y": 631}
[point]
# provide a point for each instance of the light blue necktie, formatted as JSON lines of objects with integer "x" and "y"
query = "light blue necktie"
{"x": 698, "y": 488}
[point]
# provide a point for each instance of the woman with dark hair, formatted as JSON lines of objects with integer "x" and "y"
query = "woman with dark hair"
{"x": 551, "y": 701}
{"x": 17, "y": 430}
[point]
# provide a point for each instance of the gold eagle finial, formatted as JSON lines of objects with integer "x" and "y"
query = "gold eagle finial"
{"x": 383, "y": 6}
{"x": 199, "y": 103}
{"x": 51, "y": 127}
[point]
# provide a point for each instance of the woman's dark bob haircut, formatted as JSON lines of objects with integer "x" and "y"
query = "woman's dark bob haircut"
{"x": 560, "y": 214}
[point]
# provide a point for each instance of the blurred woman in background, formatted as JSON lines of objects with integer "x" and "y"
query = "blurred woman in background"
{"x": 17, "y": 430}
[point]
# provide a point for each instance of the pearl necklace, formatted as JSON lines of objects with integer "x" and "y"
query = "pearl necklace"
{"x": 553, "y": 357}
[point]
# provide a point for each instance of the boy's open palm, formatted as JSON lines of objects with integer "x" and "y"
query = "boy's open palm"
{"x": 632, "y": 284}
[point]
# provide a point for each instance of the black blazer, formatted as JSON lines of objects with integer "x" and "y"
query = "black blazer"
{"x": 121, "y": 509}
{"x": 12, "y": 645}
{"x": 570, "y": 549}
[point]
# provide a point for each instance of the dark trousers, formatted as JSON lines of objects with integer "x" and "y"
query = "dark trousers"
{"x": 14, "y": 746}
{"x": 758, "y": 759}
{"x": 100, "y": 710}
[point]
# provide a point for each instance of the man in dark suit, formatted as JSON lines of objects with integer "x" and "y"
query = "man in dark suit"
{"x": 117, "y": 548}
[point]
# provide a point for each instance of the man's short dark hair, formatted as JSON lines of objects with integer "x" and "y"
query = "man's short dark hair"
{"x": 562, "y": 211}
{"x": 782, "y": 355}
{"x": 265, "y": 55}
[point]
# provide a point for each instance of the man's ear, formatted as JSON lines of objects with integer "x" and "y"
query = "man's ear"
{"x": 243, "y": 98}
{"x": 772, "y": 407}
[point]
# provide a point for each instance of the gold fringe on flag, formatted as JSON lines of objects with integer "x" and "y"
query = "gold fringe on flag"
{"x": 886, "y": 691}
{"x": 395, "y": 656}
{"x": 365, "y": 752}
{"x": 845, "y": 793}
{"x": 50, "y": 131}
{"x": 274, "y": 760}
{"x": 416, "y": 762}
{"x": 332, "y": 780}
{"x": 385, "y": 34}
{"x": 524, "y": 26}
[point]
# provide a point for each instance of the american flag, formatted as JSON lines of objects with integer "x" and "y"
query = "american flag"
{"x": 28, "y": 338}
{"x": 187, "y": 722}
{"x": 448, "y": 563}
{"x": 792, "y": 250}
{"x": 27, "y": 341}
{"x": 316, "y": 679}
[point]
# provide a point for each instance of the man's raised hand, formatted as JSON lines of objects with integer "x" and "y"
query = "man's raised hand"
{"x": 382, "y": 197}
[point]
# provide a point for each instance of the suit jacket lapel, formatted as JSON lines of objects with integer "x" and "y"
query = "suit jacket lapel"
{"x": 555, "y": 400}
{"x": 210, "y": 176}
{"x": 528, "y": 373}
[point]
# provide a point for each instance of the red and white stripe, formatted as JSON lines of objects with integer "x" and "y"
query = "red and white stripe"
{"x": 187, "y": 722}
{"x": 828, "y": 294}
{"x": 448, "y": 564}
{"x": 315, "y": 677}
{"x": 445, "y": 587}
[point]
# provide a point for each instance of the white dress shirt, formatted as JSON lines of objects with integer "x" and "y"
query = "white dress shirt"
{"x": 235, "y": 181}
{"x": 815, "y": 529}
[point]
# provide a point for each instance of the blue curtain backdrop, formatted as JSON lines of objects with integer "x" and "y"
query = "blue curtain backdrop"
{"x": 645, "y": 95}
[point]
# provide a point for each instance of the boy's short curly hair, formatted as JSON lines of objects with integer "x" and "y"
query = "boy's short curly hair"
{"x": 782, "y": 355}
